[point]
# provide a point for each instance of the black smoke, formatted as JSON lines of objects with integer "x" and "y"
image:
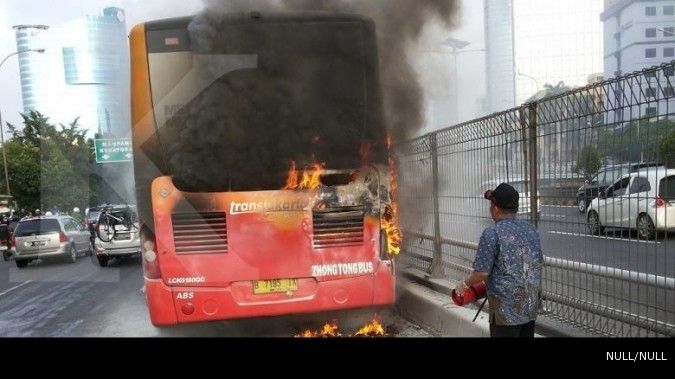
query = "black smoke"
{"x": 399, "y": 25}
{"x": 320, "y": 91}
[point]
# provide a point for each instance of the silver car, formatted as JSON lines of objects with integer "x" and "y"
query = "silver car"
{"x": 126, "y": 241}
{"x": 49, "y": 237}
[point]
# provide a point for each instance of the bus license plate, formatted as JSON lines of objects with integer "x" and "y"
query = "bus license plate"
{"x": 274, "y": 286}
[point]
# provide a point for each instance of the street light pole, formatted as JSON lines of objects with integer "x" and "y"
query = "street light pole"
{"x": 2, "y": 126}
{"x": 530, "y": 77}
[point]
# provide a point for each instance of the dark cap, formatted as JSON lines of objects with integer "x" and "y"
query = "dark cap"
{"x": 504, "y": 196}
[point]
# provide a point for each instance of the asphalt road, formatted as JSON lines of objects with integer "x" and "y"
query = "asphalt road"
{"x": 564, "y": 235}
{"x": 51, "y": 299}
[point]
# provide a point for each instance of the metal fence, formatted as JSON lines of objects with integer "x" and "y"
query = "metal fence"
{"x": 574, "y": 157}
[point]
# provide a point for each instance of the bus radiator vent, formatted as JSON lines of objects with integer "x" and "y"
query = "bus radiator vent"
{"x": 338, "y": 227}
{"x": 200, "y": 233}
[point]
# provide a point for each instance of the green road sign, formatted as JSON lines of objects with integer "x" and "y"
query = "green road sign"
{"x": 113, "y": 150}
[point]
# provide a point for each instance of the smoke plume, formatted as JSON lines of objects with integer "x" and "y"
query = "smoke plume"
{"x": 320, "y": 91}
{"x": 399, "y": 24}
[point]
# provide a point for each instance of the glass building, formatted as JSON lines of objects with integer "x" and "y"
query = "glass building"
{"x": 531, "y": 43}
{"x": 83, "y": 74}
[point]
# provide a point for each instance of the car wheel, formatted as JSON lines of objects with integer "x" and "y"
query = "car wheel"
{"x": 593, "y": 222}
{"x": 21, "y": 263}
{"x": 103, "y": 261}
{"x": 582, "y": 205}
{"x": 645, "y": 227}
{"x": 72, "y": 257}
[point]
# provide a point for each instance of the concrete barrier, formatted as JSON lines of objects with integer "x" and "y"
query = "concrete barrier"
{"x": 427, "y": 303}
{"x": 436, "y": 313}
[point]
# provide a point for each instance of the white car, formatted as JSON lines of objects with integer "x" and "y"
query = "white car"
{"x": 126, "y": 241}
{"x": 642, "y": 201}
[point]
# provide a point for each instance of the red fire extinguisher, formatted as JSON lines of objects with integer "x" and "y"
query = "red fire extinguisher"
{"x": 474, "y": 293}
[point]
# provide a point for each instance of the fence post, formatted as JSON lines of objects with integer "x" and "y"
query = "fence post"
{"x": 436, "y": 270}
{"x": 533, "y": 164}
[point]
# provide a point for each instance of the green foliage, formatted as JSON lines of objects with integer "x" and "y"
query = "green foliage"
{"x": 639, "y": 140}
{"x": 588, "y": 162}
{"x": 667, "y": 149}
{"x": 49, "y": 166}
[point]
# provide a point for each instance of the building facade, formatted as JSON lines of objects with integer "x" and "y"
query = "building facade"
{"x": 637, "y": 34}
{"x": 83, "y": 74}
{"x": 532, "y": 43}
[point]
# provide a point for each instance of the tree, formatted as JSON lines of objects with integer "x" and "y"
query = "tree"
{"x": 588, "y": 162}
{"x": 639, "y": 140}
{"x": 49, "y": 166}
{"x": 667, "y": 149}
{"x": 549, "y": 91}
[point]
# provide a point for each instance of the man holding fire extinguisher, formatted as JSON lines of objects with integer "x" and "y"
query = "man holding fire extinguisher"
{"x": 509, "y": 260}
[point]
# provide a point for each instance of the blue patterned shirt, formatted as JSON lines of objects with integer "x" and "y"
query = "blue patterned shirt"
{"x": 510, "y": 252}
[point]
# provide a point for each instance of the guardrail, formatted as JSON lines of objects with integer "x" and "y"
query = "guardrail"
{"x": 611, "y": 274}
{"x": 625, "y": 276}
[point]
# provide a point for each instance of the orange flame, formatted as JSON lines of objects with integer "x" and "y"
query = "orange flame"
{"x": 330, "y": 330}
{"x": 365, "y": 151}
{"x": 390, "y": 216}
{"x": 309, "y": 179}
{"x": 372, "y": 329}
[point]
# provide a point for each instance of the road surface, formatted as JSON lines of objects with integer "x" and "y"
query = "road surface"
{"x": 51, "y": 299}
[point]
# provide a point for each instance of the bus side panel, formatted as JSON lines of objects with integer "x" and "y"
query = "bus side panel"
{"x": 147, "y": 157}
{"x": 160, "y": 303}
{"x": 384, "y": 291}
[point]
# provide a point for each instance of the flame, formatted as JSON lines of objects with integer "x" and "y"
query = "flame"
{"x": 365, "y": 151}
{"x": 371, "y": 329}
{"x": 329, "y": 330}
{"x": 390, "y": 216}
{"x": 308, "y": 179}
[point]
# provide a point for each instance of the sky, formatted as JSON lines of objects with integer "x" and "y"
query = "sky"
{"x": 433, "y": 65}
{"x": 50, "y": 12}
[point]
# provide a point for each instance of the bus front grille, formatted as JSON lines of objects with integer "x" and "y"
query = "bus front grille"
{"x": 338, "y": 227}
{"x": 199, "y": 233}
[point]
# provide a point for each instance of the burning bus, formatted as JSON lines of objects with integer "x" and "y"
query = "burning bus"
{"x": 263, "y": 177}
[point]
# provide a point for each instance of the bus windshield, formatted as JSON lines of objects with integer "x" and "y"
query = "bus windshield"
{"x": 263, "y": 108}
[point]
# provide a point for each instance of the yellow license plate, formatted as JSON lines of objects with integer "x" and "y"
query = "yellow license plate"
{"x": 275, "y": 286}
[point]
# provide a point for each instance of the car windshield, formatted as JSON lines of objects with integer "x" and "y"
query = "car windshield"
{"x": 37, "y": 227}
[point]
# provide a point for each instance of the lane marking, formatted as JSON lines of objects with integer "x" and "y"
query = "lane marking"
{"x": 545, "y": 216}
{"x": 605, "y": 238}
{"x": 15, "y": 287}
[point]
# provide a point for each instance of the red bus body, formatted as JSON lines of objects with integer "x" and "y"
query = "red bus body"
{"x": 203, "y": 252}
{"x": 260, "y": 245}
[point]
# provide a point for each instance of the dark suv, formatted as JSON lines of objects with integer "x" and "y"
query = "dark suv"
{"x": 605, "y": 177}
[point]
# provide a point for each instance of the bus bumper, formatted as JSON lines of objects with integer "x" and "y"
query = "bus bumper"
{"x": 177, "y": 305}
